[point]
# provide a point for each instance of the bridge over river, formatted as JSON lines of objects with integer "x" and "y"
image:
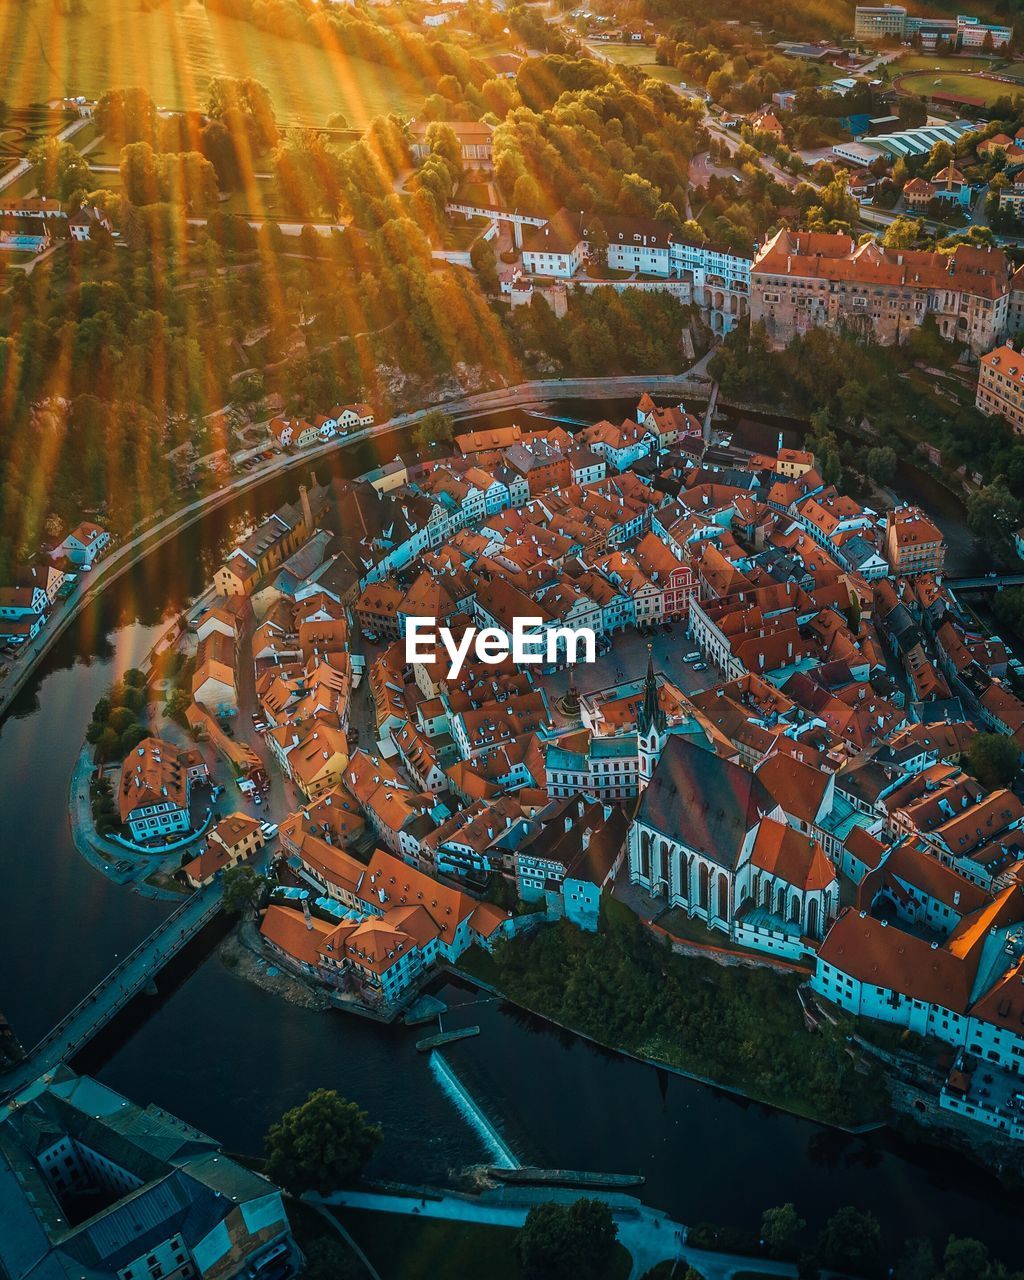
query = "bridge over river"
{"x": 131, "y": 975}
{"x": 986, "y": 582}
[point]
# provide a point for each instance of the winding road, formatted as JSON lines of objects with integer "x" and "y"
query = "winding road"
{"x": 523, "y": 395}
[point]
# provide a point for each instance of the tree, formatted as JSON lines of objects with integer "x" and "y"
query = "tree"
{"x": 913, "y": 112}
{"x": 126, "y": 115}
{"x": 597, "y": 241}
{"x": 178, "y": 702}
{"x": 320, "y": 1144}
{"x": 443, "y": 142}
{"x": 485, "y": 264}
{"x": 903, "y": 233}
{"x": 435, "y": 427}
{"x": 560, "y": 1240}
{"x": 917, "y": 1261}
{"x": 60, "y": 169}
{"x": 781, "y": 1226}
{"x": 880, "y": 464}
{"x": 251, "y": 100}
{"x": 243, "y": 889}
{"x": 851, "y": 1241}
{"x": 993, "y": 505}
{"x": 329, "y": 1259}
{"x": 994, "y": 759}
{"x": 140, "y": 173}
{"x": 122, "y": 718}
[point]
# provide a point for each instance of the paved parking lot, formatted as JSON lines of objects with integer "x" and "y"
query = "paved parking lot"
{"x": 627, "y": 660}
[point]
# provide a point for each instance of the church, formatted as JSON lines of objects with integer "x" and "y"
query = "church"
{"x": 709, "y": 838}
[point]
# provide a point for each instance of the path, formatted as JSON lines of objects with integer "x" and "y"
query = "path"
{"x": 650, "y": 1235}
{"x": 119, "y": 561}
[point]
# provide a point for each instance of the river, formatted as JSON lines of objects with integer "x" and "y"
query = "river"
{"x": 224, "y": 1054}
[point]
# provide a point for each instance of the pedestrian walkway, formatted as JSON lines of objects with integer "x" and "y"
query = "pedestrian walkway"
{"x": 649, "y": 1235}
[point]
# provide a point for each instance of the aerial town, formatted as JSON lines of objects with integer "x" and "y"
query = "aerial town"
{"x": 511, "y": 640}
{"x": 773, "y": 740}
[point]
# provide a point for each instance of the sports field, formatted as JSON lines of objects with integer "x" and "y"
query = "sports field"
{"x": 937, "y": 62}
{"x": 926, "y": 83}
{"x": 173, "y": 50}
{"x": 640, "y": 56}
{"x": 626, "y": 55}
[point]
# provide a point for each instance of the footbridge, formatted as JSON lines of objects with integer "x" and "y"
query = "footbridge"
{"x": 518, "y": 220}
{"x": 132, "y": 974}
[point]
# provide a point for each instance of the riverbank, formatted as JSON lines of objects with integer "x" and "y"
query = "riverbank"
{"x": 520, "y": 1067}
{"x": 242, "y": 953}
{"x": 750, "y": 1022}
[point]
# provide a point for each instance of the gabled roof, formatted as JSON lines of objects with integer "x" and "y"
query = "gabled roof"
{"x": 707, "y": 803}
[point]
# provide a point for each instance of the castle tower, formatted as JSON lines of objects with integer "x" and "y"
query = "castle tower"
{"x": 652, "y": 726}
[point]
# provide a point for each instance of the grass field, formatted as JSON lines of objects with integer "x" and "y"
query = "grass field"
{"x": 411, "y": 1248}
{"x": 936, "y": 62}
{"x": 625, "y": 55}
{"x": 927, "y": 82}
{"x": 637, "y": 55}
{"x": 173, "y": 51}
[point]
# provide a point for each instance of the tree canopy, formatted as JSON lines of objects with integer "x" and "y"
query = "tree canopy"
{"x": 320, "y": 1144}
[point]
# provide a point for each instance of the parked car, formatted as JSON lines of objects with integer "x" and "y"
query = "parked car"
{"x": 257, "y": 798}
{"x": 269, "y": 830}
{"x": 694, "y": 656}
{"x": 700, "y": 666}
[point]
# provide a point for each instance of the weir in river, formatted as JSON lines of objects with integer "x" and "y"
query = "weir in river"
{"x": 467, "y": 1106}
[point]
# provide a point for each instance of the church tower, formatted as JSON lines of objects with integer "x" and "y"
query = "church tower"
{"x": 652, "y": 727}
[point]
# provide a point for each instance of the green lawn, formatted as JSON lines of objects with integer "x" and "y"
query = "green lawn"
{"x": 928, "y": 82}
{"x": 173, "y": 51}
{"x": 626, "y": 55}
{"x": 413, "y": 1248}
{"x": 935, "y": 61}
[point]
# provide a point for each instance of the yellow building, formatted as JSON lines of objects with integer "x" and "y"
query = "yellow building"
{"x": 1001, "y": 386}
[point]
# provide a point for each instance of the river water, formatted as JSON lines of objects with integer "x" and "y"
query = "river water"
{"x": 229, "y": 1057}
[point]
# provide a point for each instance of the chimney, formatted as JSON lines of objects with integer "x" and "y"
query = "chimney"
{"x": 307, "y": 511}
{"x": 306, "y": 912}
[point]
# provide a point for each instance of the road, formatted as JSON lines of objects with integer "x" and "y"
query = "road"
{"x": 523, "y": 395}
{"x": 649, "y": 1234}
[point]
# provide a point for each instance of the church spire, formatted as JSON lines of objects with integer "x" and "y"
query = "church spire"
{"x": 652, "y": 716}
